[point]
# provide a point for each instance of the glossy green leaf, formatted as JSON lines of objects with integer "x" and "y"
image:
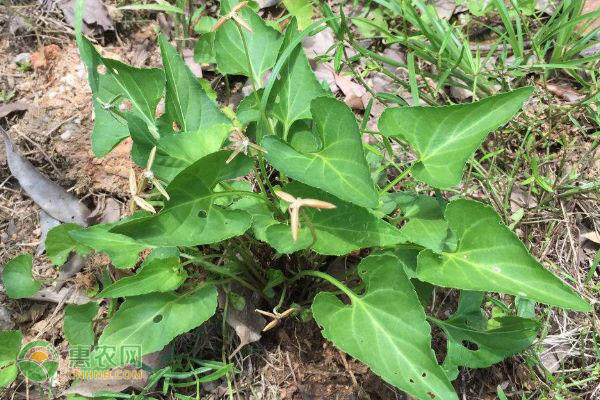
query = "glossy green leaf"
{"x": 114, "y": 84}
{"x": 489, "y": 257}
{"x": 425, "y": 223}
{"x": 204, "y": 49}
{"x": 296, "y": 87}
{"x": 489, "y": 344}
{"x": 343, "y": 229}
{"x": 263, "y": 44}
{"x": 338, "y": 231}
{"x": 261, "y": 215}
{"x": 249, "y": 108}
{"x": 408, "y": 260}
{"x": 10, "y": 344}
{"x": 386, "y": 329}
{"x": 158, "y": 275}
{"x": 161, "y": 253}
{"x": 302, "y": 10}
{"x": 445, "y": 137}
{"x": 17, "y": 278}
{"x": 59, "y": 244}
{"x": 123, "y": 251}
{"x": 191, "y": 217}
{"x": 339, "y": 167}
{"x": 153, "y": 320}
{"x": 186, "y": 102}
{"x": 109, "y": 129}
{"x": 205, "y": 24}
{"x": 78, "y": 323}
{"x": 175, "y": 152}
{"x": 302, "y": 138}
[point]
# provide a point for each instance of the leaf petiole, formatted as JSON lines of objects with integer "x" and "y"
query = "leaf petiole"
{"x": 318, "y": 274}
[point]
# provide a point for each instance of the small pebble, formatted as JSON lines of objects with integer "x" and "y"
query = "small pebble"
{"x": 23, "y": 58}
{"x": 66, "y": 135}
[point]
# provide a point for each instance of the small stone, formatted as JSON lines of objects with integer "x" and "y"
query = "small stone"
{"x": 66, "y": 135}
{"x": 23, "y": 58}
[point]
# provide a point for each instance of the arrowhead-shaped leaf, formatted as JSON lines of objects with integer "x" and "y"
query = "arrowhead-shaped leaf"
{"x": 426, "y": 225}
{"x": 339, "y": 167}
{"x": 158, "y": 275}
{"x": 489, "y": 257}
{"x": 153, "y": 320}
{"x": 263, "y": 44}
{"x": 17, "y": 278}
{"x": 118, "y": 82}
{"x": 492, "y": 344}
{"x": 77, "y": 323}
{"x": 186, "y": 102}
{"x": 10, "y": 344}
{"x": 386, "y": 329}
{"x": 445, "y": 137}
{"x": 191, "y": 217}
{"x": 296, "y": 86}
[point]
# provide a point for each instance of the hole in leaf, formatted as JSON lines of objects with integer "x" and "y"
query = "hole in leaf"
{"x": 160, "y": 108}
{"x": 431, "y": 395}
{"x": 101, "y": 69}
{"x": 424, "y": 374}
{"x": 411, "y": 380}
{"x": 125, "y": 105}
{"x": 470, "y": 345}
{"x": 176, "y": 127}
{"x": 157, "y": 319}
{"x": 114, "y": 71}
{"x": 202, "y": 214}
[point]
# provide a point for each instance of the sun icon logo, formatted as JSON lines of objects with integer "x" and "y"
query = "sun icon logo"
{"x": 38, "y": 361}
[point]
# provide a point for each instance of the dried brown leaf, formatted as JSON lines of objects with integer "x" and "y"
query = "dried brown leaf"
{"x": 10, "y": 108}
{"x": 52, "y": 198}
{"x": 565, "y": 92}
{"x": 96, "y": 17}
{"x": 246, "y": 323}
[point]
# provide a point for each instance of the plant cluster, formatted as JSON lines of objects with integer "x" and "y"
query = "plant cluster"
{"x": 287, "y": 176}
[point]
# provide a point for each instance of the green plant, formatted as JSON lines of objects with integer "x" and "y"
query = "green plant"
{"x": 6, "y": 96}
{"x": 25, "y": 66}
{"x": 222, "y": 219}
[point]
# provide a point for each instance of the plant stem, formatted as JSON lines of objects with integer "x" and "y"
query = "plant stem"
{"x": 253, "y": 79}
{"x": 396, "y": 180}
{"x": 328, "y": 278}
{"x": 221, "y": 271}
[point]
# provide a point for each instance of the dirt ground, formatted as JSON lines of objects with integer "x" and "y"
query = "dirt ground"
{"x": 292, "y": 361}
